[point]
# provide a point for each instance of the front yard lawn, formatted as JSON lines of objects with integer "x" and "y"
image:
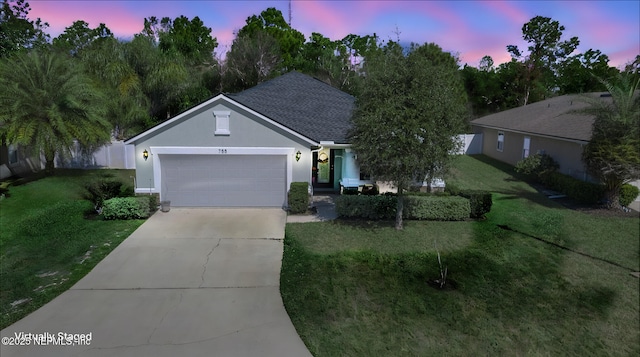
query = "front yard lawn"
{"x": 47, "y": 242}
{"x": 356, "y": 288}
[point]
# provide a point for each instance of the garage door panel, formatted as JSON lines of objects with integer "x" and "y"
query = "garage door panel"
{"x": 224, "y": 180}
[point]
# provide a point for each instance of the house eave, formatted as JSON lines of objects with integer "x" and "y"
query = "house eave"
{"x": 573, "y": 140}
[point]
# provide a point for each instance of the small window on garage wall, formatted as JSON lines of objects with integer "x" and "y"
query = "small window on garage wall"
{"x": 500, "y": 146}
{"x": 222, "y": 122}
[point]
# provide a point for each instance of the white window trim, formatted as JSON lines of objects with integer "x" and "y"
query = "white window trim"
{"x": 500, "y": 145}
{"x": 222, "y": 122}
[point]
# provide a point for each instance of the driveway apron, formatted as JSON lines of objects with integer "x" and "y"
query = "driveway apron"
{"x": 189, "y": 282}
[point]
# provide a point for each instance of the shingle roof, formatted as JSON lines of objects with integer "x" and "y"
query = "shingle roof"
{"x": 303, "y": 104}
{"x": 551, "y": 117}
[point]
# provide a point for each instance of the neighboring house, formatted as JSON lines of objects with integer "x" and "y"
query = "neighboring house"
{"x": 245, "y": 149}
{"x": 549, "y": 126}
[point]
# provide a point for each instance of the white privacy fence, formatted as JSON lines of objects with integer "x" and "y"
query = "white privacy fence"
{"x": 115, "y": 155}
{"x": 471, "y": 144}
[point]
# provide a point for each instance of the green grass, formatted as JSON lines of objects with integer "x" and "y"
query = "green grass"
{"x": 360, "y": 288}
{"x": 47, "y": 244}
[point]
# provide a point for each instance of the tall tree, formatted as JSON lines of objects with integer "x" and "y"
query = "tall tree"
{"x": 164, "y": 76}
{"x": 47, "y": 102}
{"x": 580, "y": 73}
{"x": 17, "y": 32}
{"x": 191, "y": 38}
{"x": 253, "y": 58}
{"x": 546, "y": 51}
{"x": 289, "y": 40}
{"x": 127, "y": 107}
{"x": 613, "y": 153}
{"x": 410, "y": 108}
{"x": 79, "y": 36}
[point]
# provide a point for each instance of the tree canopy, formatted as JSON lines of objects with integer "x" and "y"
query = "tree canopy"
{"x": 47, "y": 102}
{"x": 17, "y": 32}
{"x": 408, "y": 112}
{"x": 613, "y": 153}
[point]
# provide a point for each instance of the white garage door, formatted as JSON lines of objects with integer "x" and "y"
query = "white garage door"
{"x": 224, "y": 180}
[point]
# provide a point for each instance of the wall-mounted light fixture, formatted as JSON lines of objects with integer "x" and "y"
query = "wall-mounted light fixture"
{"x": 145, "y": 154}
{"x": 298, "y": 155}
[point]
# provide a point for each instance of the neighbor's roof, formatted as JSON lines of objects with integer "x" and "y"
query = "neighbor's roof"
{"x": 552, "y": 117}
{"x": 303, "y": 104}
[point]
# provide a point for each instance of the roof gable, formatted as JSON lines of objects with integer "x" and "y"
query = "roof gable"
{"x": 553, "y": 117}
{"x": 211, "y": 102}
{"x": 303, "y": 104}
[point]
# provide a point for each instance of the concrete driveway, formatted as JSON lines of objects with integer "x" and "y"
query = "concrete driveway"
{"x": 190, "y": 282}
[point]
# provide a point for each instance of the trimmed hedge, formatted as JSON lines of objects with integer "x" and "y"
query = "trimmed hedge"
{"x": 367, "y": 207}
{"x": 579, "y": 190}
{"x": 628, "y": 194}
{"x": 480, "y": 202}
{"x": 437, "y": 208}
{"x": 126, "y": 208}
{"x": 298, "y": 197}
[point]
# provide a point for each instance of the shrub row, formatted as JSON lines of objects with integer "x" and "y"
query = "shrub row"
{"x": 579, "y": 190}
{"x": 126, "y": 208}
{"x": 437, "y": 208}
{"x": 298, "y": 197}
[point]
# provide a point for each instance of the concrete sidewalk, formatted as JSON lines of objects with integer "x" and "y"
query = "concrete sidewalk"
{"x": 190, "y": 282}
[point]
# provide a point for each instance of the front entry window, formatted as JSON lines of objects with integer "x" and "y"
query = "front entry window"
{"x": 324, "y": 166}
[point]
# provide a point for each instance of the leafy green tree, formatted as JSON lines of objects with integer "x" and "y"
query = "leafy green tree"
{"x": 546, "y": 51}
{"x": 483, "y": 87}
{"x": 164, "y": 76}
{"x": 190, "y": 38}
{"x": 253, "y": 58}
{"x": 410, "y": 108}
{"x": 288, "y": 39}
{"x": 613, "y": 153}
{"x": 127, "y": 106}
{"x": 580, "y": 73}
{"x": 17, "y": 32}
{"x": 79, "y": 36}
{"x": 47, "y": 102}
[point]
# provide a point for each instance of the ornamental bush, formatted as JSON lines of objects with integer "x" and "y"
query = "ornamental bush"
{"x": 480, "y": 202}
{"x": 537, "y": 165}
{"x": 298, "y": 197}
{"x": 439, "y": 208}
{"x": 628, "y": 194}
{"x": 126, "y": 208}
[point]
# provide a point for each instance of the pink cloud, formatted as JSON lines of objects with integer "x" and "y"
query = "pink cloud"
{"x": 62, "y": 14}
{"x": 511, "y": 13}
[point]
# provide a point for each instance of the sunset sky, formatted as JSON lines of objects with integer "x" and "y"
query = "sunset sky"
{"x": 470, "y": 29}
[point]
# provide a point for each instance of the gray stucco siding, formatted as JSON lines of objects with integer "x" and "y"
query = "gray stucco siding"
{"x": 198, "y": 131}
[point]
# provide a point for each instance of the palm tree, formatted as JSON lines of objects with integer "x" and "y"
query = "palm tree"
{"x": 47, "y": 102}
{"x": 613, "y": 154}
